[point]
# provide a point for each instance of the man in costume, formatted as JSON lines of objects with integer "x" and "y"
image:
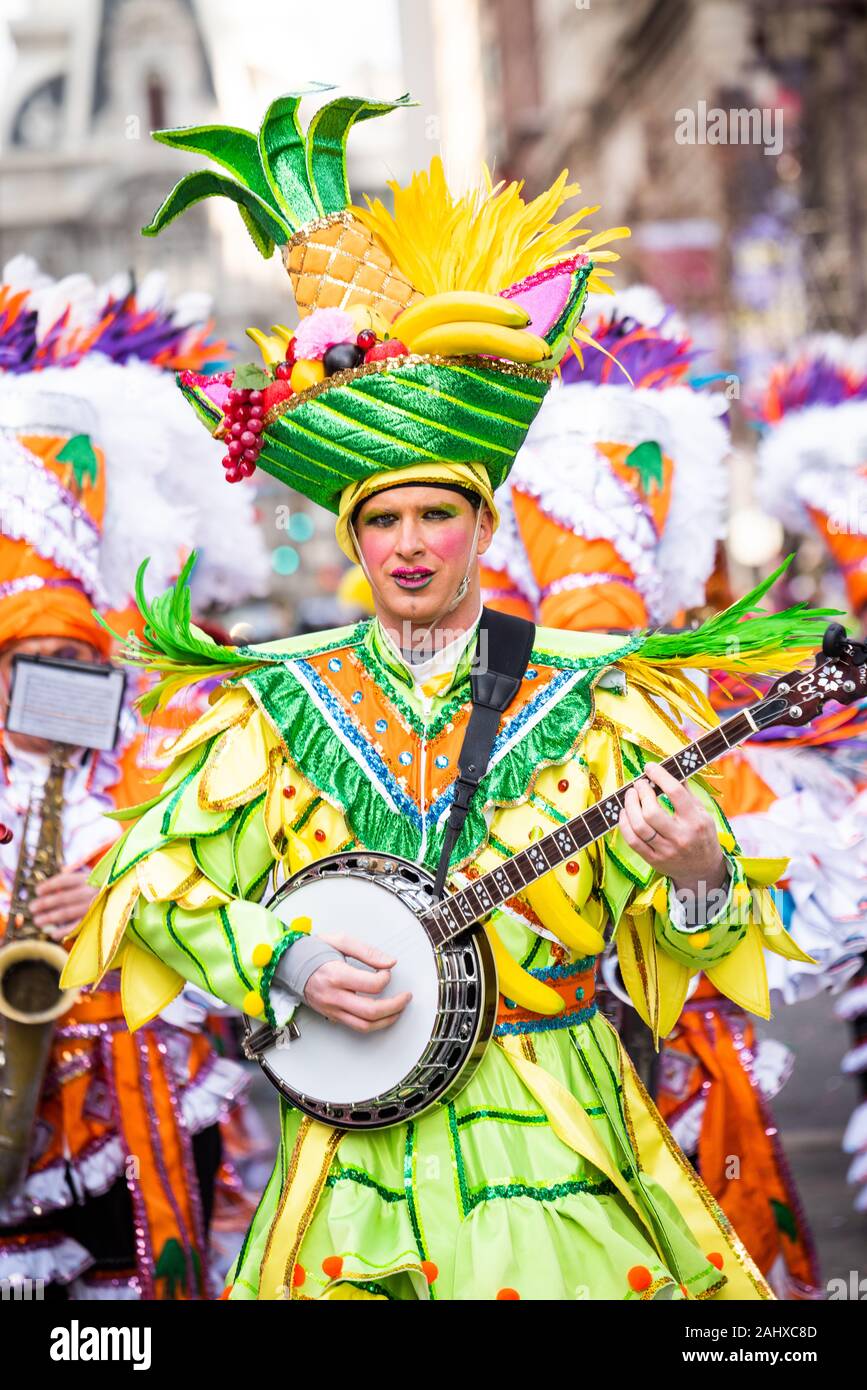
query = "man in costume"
{"x": 424, "y": 351}
{"x": 627, "y": 460}
{"x": 812, "y": 475}
{"x": 116, "y": 1197}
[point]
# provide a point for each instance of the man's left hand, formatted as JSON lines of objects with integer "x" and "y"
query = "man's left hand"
{"x": 683, "y": 847}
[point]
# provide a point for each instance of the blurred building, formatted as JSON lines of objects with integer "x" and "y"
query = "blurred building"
{"x": 752, "y": 224}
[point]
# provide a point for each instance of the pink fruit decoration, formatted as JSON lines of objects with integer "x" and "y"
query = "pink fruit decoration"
{"x": 553, "y": 298}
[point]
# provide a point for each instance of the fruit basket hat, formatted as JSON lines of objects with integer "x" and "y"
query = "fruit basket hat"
{"x": 428, "y": 335}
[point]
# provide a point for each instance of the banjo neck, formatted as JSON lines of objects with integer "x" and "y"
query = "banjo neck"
{"x": 794, "y": 699}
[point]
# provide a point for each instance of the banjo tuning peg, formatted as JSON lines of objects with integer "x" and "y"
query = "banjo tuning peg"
{"x": 832, "y": 642}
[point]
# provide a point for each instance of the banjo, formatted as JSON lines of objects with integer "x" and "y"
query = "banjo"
{"x": 387, "y": 1077}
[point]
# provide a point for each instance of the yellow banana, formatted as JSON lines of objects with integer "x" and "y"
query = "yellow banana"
{"x": 272, "y": 349}
{"x": 556, "y": 908}
{"x": 556, "y": 912}
{"x": 468, "y": 306}
{"x": 463, "y": 338}
{"x": 516, "y": 984}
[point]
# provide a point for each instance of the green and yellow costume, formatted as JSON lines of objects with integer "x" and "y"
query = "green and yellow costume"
{"x": 551, "y": 1174}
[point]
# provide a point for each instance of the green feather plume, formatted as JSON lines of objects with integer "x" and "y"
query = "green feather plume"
{"x": 173, "y": 647}
{"x": 744, "y": 637}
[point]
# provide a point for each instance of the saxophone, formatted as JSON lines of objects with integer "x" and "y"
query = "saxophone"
{"x": 31, "y": 999}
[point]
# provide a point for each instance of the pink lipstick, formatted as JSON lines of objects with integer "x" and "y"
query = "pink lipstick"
{"x": 415, "y": 578}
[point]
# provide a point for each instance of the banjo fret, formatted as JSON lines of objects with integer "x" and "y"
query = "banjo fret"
{"x": 472, "y": 902}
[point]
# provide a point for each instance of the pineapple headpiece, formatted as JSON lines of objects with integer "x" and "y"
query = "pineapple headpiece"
{"x": 427, "y": 337}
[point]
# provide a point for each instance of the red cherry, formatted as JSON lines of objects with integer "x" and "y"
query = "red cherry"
{"x": 255, "y": 398}
{"x": 236, "y": 449}
{"x": 290, "y": 352}
{"x": 366, "y": 339}
{"x": 249, "y": 456}
{"x": 254, "y": 426}
{"x": 236, "y": 430}
{"x": 248, "y": 439}
{"x": 227, "y": 461}
{"x": 257, "y": 411}
{"x": 283, "y": 370}
{"x": 233, "y": 398}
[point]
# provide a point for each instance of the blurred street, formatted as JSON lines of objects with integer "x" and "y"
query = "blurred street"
{"x": 812, "y": 1111}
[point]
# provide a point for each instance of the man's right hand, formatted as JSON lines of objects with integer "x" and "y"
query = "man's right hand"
{"x": 346, "y": 995}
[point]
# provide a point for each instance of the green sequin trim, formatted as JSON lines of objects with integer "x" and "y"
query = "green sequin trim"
{"x": 151, "y": 849}
{"x": 461, "y": 1185}
{"x": 305, "y": 815}
{"x": 627, "y": 872}
{"x": 409, "y": 1189}
{"x": 135, "y": 931}
{"x": 172, "y": 908}
{"x": 603, "y": 1188}
{"x": 515, "y": 1117}
{"x": 233, "y": 947}
{"x": 269, "y": 970}
{"x": 532, "y": 953}
{"x": 364, "y": 1179}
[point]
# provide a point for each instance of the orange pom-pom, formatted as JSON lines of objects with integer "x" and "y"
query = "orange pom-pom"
{"x": 639, "y": 1278}
{"x": 508, "y": 1293}
{"x": 429, "y": 1270}
{"x": 715, "y": 1258}
{"x": 299, "y": 1274}
{"x": 332, "y": 1266}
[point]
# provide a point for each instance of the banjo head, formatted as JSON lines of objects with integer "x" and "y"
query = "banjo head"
{"x": 371, "y": 1080}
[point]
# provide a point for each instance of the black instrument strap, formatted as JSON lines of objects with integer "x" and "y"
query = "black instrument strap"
{"x": 502, "y": 653}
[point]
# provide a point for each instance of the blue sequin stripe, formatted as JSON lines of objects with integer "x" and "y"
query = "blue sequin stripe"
{"x": 546, "y": 1025}
{"x": 557, "y": 688}
{"x": 564, "y": 972}
{"x": 357, "y": 745}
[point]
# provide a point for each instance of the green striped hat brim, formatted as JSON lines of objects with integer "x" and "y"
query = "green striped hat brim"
{"x": 399, "y": 412}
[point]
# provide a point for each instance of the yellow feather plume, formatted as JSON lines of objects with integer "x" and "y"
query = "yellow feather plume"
{"x": 483, "y": 240}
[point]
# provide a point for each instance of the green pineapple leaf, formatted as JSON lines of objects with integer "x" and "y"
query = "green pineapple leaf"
{"x": 263, "y": 243}
{"x": 235, "y": 149}
{"x": 327, "y": 135}
{"x": 204, "y": 184}
{"x": 79, "y": 451}
{"x": 283, "y": 157}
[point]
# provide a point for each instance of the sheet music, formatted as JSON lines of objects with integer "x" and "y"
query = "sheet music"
{"x": 73, "y": 704}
